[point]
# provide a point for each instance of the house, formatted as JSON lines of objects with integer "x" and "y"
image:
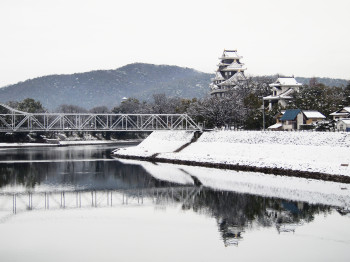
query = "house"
{"x": 312, "y": 117}
{"x": 292, "y": 119}
{"x": 229, "y": 74}
{"x": 282, "y": 90}
{"x": 296, "y": 119}
{"x": 343, "y": 125}
{"x": 341, "y": 113}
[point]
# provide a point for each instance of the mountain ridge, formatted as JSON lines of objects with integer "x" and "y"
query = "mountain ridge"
{"x": 108, "y": 87}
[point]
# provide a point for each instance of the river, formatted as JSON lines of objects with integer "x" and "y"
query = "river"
{"x": 79, "y": 203}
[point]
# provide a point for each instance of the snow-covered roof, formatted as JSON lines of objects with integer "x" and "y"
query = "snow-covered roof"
{"x": 275, "y": 126}
{"x": 338, "y": 114}
{"x": 234, "y": 66}
{"x": 230, "y": 54}
{"x": 233, "y": 80}
{"x": 346, "y": 121}
{"x": 285, "y": 95}
{"x": 218, "y": 76}
{"x": 213, "y": 86}
{"x": 285, "y": 81}
{"x": 341, "y": 112}
{"x": 313, "y": 114}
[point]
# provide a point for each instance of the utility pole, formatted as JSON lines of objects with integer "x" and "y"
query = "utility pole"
{"x": 263, "y": 112}
{"x": 263, "y": 109}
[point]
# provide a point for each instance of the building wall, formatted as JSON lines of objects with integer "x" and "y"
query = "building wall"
{"x": 300, "y": 120}
{"x": 341, "y": 126}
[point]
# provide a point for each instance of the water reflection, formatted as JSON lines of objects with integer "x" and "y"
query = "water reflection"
{"x": 104, "y": 182}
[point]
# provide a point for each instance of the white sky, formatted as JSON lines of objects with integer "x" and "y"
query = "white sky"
{"x": 301, "y": 37}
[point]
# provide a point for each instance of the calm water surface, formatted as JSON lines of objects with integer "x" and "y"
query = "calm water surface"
{"x": 78, "y": 203}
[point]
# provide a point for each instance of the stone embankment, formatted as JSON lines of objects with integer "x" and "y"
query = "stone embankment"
{"x": 313, "y": 155}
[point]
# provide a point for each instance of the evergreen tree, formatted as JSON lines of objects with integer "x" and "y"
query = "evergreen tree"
{"x": 30, "y": 105}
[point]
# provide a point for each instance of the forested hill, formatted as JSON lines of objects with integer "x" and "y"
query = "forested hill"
{"x": 108, "y": 87}
{"x": 324, "y": 80}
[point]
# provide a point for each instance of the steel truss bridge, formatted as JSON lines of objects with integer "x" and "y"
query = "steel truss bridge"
{"x": 13, "y": 203}
{"x": 18, "y": 121}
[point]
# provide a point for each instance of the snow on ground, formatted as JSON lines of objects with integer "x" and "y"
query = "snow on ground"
{"x": 7, "y": 145}
{"x": 324, "y": 152}
{"x": 66, "y": 143}
{"x": 306, "y": 138}
{"x": 158, "y": 142}
{"x": 291, "y": 188}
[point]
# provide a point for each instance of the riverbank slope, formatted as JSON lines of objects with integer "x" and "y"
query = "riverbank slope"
{"x": 320, "y": 155}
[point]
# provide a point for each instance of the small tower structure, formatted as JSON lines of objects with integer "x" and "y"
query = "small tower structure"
{"x": 282, "y": 90}
{"x": 229, "y": 74}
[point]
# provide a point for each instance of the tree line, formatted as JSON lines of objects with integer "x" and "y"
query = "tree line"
{"x": 239, "y": 108}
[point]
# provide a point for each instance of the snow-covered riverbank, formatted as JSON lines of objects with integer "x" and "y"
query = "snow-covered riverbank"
{"x": 311, "y": 152}
{"x": 67, "y": 143}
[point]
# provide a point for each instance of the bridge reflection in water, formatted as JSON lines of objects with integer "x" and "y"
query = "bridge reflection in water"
{"x": 21, "y": 202}
{"x": 234, "y": 213}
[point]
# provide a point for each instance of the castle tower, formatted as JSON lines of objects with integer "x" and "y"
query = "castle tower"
{"x": 282, "y": 90}
{"x": 229, "y": 74}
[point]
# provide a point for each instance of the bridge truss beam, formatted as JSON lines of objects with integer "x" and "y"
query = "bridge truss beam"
{"x": 18, "y": 121}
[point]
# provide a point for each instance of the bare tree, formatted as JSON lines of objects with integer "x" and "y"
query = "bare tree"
{"x": 99, "y": 110}
{"x": 71, "y": 109}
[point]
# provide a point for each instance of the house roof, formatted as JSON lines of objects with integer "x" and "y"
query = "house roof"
{"x": 285, "y": 81}
{"x": 313, "y": 114}
{"x": 341, "y": 112}
{"x": 290, "y": 114}
{"x": 346, "y": 121}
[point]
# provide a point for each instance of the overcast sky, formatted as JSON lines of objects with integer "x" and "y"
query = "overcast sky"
{"x": 300, "y": 37}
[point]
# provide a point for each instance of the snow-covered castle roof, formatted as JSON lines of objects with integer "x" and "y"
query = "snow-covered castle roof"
{"x": 285, "y": 81}
{"x": 229, "y": 74}
{"x": 230, "y": 54}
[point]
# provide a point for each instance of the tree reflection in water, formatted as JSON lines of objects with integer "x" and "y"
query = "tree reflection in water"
{"x": 234, "y": 212}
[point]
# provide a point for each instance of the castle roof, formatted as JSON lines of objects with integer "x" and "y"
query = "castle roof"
{"x": 234, "y": 67}
{"x": 218, "y": 76}
{"x": 213, "y": 86}
{"x": 233, "y": 80}
{"x": 285, "y": 81}
{"x": 285, "y": 95}
{"x": 230, "y": 54}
